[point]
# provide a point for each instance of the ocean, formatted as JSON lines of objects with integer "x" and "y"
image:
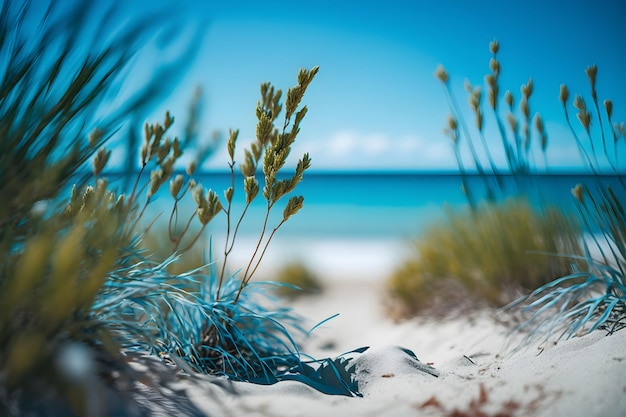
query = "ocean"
{"x": 359, "y": 223}
{"x": 368, "y": 205}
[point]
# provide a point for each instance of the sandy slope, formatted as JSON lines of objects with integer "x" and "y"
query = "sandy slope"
{"x": 581, "y": 377}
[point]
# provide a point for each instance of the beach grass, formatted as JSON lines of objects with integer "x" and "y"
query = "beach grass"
{"x": 299, "y": 280}
{"x": 488, "y": 256}
{"x": 92, "y": 316}
{"x": 501, "y": 245}
{"x": 592, "y": 296}
{"x": 97, "y": 318}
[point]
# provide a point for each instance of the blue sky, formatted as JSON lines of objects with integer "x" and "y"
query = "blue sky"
{"x": 375, "y": 104}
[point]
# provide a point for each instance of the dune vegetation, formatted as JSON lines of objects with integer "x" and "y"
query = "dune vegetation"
{"x": 570, "y": 265}
{"x": 488, "y": 256}
{"x": 93, "y": 319}
{"x": 298, "y": 279}
{"x": 103, "y": 310}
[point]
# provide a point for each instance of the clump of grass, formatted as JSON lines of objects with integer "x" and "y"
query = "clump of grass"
{"x": 55, "y": 354}
{"x": 199, "y": 321}
{"x": 593, "y": 295}
{"x": 519, "y": 129}
{"x": 490, "y": 255}
{"x": 80, "y": 300}
{"x": 498, "y": 247}
{"x": 298, "y": 280}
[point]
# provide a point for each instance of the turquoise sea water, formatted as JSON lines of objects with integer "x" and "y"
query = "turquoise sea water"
{"x": 381, "y": 205}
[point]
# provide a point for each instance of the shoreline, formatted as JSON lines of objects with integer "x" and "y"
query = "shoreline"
{"x": 329, "y": 258}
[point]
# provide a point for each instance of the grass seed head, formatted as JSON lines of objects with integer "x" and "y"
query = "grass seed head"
{"x": 156, "y": 180}
{"x": 198, "y": 196}
{"x": 508, "y": 98}
{"x": 494, "y": 46}
{"x": 228, "y": 194}
{"x": 513, "y": 124}
{"x": 584, "y": 118}
{"x": 524, "y": 108}
{"x": 175, "y": 185}
{"x": 527, "y": 89}
{"x": 168, "y": 121}
{"x": 293, "y": 206}
{"x": 232, "y": 140}
{"x": 441, "y": 74}
{"x": 94, "y": 137}
{"x": 578, "y": 193}
{"x": 579, "y": 103}
{"x": 564, "y": 94}
{"x": 592, "y": 72}
{"x": 210, "y": 208}
{"x": 494, "y": 66}
{"x": 191, "y": 167}
{"x": 452, "y": 124}
{"x": 100, "y": 161}
{"x": 539, "y": 123}
{"x": 248, "y": 168}
{"x": 479, "y": 120}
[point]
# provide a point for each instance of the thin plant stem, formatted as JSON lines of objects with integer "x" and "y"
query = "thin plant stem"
{"x": 184, "y": 231}
{"x": 174, "y": 217}
{"x": 466, "y": 188}
{"x": 614, "y": 219}
{"x": 245, "y": 281}
{"x": 492, "y": 164}
{"x": 584, "y": 215}
{"x": 143, "y": 209}
{"x": 133, "y": 194}
{"x": 194, "y": 240}
{"x": 615, "y": 146}
{"x": 174, "y": 214}
{"x": 595, "y": 102}
{"x": 267, "y": 243}
{"x": 456, "y": 109}
{"x": 461, "y": 119}
{"x": 583, "y": 153}
{"x": 227, "y": 210}
{"x": 258, "y": 246}
{"x": 508, "y": 152}
{"x": 132, "y": 199}
{"x": 243, "y": 213}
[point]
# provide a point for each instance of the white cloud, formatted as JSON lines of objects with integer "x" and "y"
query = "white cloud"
{"x": 376, "y": 144}
{"x": 350, "y": 142}
{"x": 350, "y": 149}
{"x": 353, "y": 149}
{"x": 343, "y": 143}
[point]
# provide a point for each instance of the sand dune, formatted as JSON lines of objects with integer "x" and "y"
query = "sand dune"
{"x": 584, "y": 376}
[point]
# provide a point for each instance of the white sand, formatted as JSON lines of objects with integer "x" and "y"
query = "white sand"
{"x": 584, "y": 376}
{"x": 343, "y": 259}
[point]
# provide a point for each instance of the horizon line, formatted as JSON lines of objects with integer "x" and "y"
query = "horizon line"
{"x": 387, "y": 171}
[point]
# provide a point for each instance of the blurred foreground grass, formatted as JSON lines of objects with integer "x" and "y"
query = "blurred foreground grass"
{"x": 91, "y": 324}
